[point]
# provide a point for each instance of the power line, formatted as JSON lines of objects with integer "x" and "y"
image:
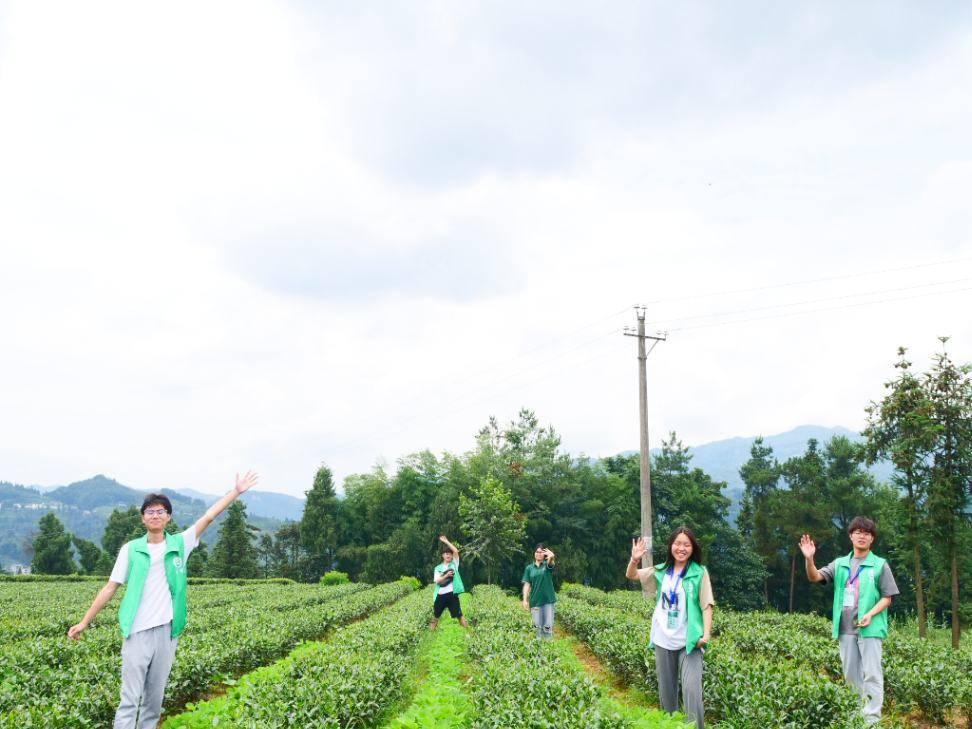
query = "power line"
{"x": 804, "y": 282}
{"x": 825, "y": 309}
{"x": 811, "y": 301}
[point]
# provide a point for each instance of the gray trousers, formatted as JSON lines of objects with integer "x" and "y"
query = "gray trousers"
{"x": 146, "y": 661}
{"x": 861, "y": 659}
{"x": 673, "y": 667}
{"x": 543, "y": 617}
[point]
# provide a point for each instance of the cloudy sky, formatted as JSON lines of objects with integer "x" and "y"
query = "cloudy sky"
{"x": 272, "y": 235}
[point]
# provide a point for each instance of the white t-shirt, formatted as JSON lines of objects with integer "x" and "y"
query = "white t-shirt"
{"x": 439, "y": 569}
{"x": 155, "y": 607}
{"x": 665, "y": 634}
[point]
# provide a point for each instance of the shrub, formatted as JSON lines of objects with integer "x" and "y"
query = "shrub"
{"x": 334, "y": 578}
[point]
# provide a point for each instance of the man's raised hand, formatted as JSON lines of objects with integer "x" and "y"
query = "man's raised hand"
{"x": 246, "y": 483}
{"x": 807, "y": 546}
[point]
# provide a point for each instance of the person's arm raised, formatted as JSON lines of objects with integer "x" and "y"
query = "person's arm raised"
{"x": 242, "y": 486}
{"x": 809, "y": 549}
{"x": 450, "y": 545}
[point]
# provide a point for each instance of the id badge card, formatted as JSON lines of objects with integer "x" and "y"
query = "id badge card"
{"x": 850, "y": 597}
{"x": 673, "y": 619}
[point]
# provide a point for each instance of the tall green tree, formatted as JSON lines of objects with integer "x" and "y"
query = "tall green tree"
{"x": 234, "y": 554}
{"x": 123, "y": 525}
{"x": 761, "y": 476}
{"x": 901, "y": 429}
{"x": 52, "y": 548}
{"x": 494, "y": 526}
{"x": 319, "y": 537}
{"x": 287, "y": 552}
{"x": 797, "y": 509}
{"x": 685, "y": 496}
{"x": 89, "y": 555}
{"x": 265, "y": 555}
{"x": 949, "y": 386}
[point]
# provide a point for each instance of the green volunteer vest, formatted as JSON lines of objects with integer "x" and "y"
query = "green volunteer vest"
{"x": 691, "y": 583}
{"x": 868, "y": 592}
{"x": 457, "y": 586}
{"x": 138, "y": 568}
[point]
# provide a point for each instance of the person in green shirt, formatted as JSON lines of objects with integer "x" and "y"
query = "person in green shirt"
{"x": 153, "y": 611}
{"x": 538, "y": 591}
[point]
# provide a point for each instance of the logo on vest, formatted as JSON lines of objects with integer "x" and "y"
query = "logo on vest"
{"x": 178, "y": 563}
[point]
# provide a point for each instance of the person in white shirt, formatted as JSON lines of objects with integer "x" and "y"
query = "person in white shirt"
{"x": 681, "y": 623}
{"x": 153, "y": 611}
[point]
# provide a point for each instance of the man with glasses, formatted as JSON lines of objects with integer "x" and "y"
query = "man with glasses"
{"x": 863, "y": 590}
{"x": 152, "y": 614}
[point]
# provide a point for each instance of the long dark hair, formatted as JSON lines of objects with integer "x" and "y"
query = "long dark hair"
{"x": 696, "y": 555}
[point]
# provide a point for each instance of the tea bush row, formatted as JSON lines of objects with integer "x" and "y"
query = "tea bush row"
{"x": 53, "y": 681}
{"x": 920, "y": 676}
{"x": 350, "y": 680}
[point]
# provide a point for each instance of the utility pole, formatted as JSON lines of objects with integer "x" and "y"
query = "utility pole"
{"x": 646, "y": 561}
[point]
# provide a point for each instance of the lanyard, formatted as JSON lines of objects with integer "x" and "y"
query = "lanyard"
{"x": 857, "y": 574}
{"x": 673, "y": 593}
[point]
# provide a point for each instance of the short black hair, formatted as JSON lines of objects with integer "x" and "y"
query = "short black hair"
{"x": 540, "y": 545}
{"x": 153, "y": 499}
{"x": 864, "y": 524}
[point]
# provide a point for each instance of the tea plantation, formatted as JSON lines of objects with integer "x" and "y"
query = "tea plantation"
{"x": 279, "y": 654}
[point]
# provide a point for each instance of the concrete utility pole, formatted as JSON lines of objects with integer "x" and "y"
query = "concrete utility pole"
{"x": 646, "y": 561}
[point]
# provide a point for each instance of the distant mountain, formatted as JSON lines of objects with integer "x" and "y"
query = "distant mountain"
{"x": 84, "y": 507}
{"x": 722, "y": 459}
{"x": 260, "y": 503}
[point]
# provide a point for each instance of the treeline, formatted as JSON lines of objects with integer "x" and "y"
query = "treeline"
{"x": 516, "y": 487}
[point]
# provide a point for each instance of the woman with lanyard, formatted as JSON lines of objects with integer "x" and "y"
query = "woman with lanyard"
{"x": 682, "y": 621}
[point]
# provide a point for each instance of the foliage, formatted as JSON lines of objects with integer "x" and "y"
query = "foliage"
{"x": 48, "y": 680}
{"x": 350, "y": 680}
{"x": 319, "y": 527}
{"x": 493, "y": 524}
{"x": 440, "y": 699}
{"x": 520, "y": 681}
{"x": 234, "y": 554}
{"x": 773, "y": 670}
{"x": 334, "y": 578}
{"x": 89, "y": 555}
{"x": 52, "y": 548}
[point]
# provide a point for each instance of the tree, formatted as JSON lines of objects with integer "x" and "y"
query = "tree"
{"x": 949, "y": 388}
{"x": 319, "y": 527}
{"x": 89, "y": 555}
{"x": 234, "y": 554}
{"x": 900, "y": 428}
{"x": 684, "y": 496}
{"x": 266, "y": 554}
{"x": 286, "y": 546}
{"x": 123, "y": 525}
{"x": 198, "y": 564}
{"x": 52, "y": 548}
{"x": 494, "y": 526}
{"x": 761, "y": 476}
{"x": 798, "y": 509}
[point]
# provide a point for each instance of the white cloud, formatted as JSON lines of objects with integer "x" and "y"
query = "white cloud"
{"x": 264, "y": 235}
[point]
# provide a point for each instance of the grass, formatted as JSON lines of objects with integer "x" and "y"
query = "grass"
{"x": 631, "y": 703}
{"x": 441, "y": 700}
